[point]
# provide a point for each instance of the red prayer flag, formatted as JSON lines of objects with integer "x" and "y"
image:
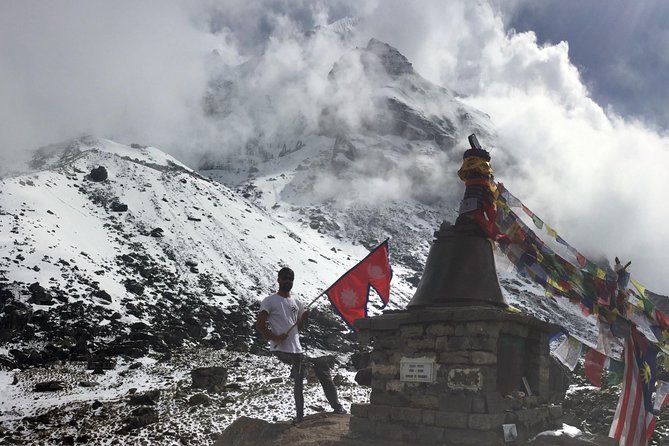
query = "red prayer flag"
{"x": 662, "y": 319}
{"x": 594, "y": 364}
{"x": 350, "y": 293}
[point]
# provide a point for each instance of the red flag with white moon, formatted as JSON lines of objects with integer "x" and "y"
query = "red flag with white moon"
{"x": 350, "y": 293}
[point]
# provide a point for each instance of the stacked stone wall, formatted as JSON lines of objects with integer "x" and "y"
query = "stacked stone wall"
{"x": 462, "y": 404}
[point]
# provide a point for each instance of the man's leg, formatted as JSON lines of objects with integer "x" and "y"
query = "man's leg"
{"x": 294, "y": 360}
{"x": 322, "y": 372}
{"x": 298, "y": 375}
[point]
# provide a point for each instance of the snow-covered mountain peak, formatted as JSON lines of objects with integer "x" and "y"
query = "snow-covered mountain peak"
{"x": 344, "y": 28}
{"x": 64, "y": 154}
{"x": 391, "y": 59}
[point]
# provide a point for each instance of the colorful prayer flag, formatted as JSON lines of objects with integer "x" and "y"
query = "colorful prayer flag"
{"x": 568, "y": 352}
{"x": 640, "y": 288}
{"x": 594, "y": 365}
{"x": 605, "y": 339}
{"x": 661, "y": 395}
{"x": 537, "y": 222}
{"x": 551, "y": 232}
{"x": 615, "y": 370}
{"x": 350, "y": 293}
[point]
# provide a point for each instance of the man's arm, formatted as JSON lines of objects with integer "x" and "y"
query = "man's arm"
{"x": 302, "y": 320}
{"x": 263, "y": 328}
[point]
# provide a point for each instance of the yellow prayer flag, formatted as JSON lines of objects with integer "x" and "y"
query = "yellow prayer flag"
{"x": 540, "y": 257}
{"x": 640, "y": 288}
{"x": 552, "y": 232}
{"x": 601, "y": 274}
{"x": 554, "y": 284}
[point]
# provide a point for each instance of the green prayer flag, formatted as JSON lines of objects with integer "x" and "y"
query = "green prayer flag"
{"x": 537, "y": 222}
{"x": 614, "y": 373}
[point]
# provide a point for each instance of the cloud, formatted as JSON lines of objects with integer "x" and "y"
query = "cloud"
{"x": 121, "y": 69}
{"x": 620, "y": 47}
{"x": 138, "y": 72}
{"x": 591, "y": 173}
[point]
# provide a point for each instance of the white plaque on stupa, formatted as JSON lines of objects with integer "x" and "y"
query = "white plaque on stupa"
{"x": 421, "y": 370}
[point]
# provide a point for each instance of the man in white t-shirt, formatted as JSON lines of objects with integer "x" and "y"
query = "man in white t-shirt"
{"x": 281, "y": 317}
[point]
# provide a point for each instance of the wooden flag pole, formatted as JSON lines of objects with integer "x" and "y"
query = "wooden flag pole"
{"x": 314, "y": 301}
{"x": 307, "y": 307}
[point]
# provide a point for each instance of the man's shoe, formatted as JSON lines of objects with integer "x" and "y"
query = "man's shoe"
{"x": 297, "y": 420}
{"x": 340, "y": 410}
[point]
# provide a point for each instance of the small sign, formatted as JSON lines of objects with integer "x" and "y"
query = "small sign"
{"x": 420, "y": 370}
{"x": 465, "y": 378}
{"x": 510, "y": 432}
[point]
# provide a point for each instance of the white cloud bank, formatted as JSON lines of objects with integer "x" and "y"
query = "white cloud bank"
{"x": 137, "y": 72}
{"x": 596, "y": 177}
{"x": 127, "y": 69}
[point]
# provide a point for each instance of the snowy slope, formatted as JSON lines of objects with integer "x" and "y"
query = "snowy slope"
{"x": 216, "y": 249}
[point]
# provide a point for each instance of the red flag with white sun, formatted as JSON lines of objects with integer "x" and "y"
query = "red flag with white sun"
{"x": 350, "y": 293}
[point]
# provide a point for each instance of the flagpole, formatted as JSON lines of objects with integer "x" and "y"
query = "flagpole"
{"x": 314, "y": 301}
{"x": 307, "y": 307}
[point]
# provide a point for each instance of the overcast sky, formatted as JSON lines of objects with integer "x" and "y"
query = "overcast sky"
{"x": 576, "y": 90}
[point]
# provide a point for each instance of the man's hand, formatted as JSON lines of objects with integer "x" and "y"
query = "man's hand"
{"x": 279, "y": 338}
{"x": 303, "y": 319}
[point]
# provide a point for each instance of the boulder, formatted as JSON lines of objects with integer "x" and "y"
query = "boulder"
{"x": 98, "y": 174}
{"x": 102, "y": 294}
{"x": 38, "y": 295}
{"x": 140, "y": 326}
{"x": 48, "y": 386}
{"x": 140, "y": 417}
{"x": 149, "y": 398}
{"x": 134, "y": 287}
{"x": 247, "y": 431}
{"x": 26, "y": 358}
{"x": 79, "y": 351}
{"x": 14, "y": 320}
{"x": 6, "y": 362}
{"x": 157, "y": 232}
{"x": 314, "y": 430}
{"x": 198, "y": 399}
{"x": 118, "y": 207}
{"x": 128, "y": 348}
{"x": 211, "y": 378}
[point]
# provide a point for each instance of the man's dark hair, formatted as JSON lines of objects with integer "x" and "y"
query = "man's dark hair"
{"x": 285, "y": 270}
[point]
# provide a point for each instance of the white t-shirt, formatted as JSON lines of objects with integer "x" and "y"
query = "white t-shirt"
{"x": 283, "y": 313}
